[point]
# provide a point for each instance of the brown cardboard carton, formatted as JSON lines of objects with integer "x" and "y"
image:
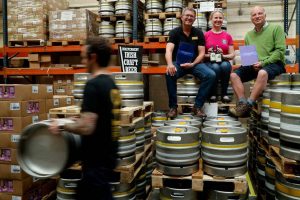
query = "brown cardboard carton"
{"x": 17, "y": 124}
{"x": 45, "y": 64}
{"x": 8, "y": 156}
{"x": 15, "y": 187}
{"x": 22, "y": 108}
{"x": 9, "y": 140}
{"x": 33, "y": 57}
{"x": 49, "y": 104}
{"x": 12, "y": 172}
{"x": 64, "y": 100}
{"x": 34, "y": 65}
{"x": 20, "y": 92}
{"x": 45, "y": 58}
{"x": 47, "y": 91}
{"x": 63, "y": 80}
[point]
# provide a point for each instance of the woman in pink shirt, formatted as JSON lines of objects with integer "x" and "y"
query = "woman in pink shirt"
{"x": 219, "y": 42}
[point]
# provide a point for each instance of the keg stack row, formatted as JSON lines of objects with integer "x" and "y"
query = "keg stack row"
{"x": 180, "y": 143}
{"x": 277, "y": 129}
{"x": 80, "y": 80}
{"x": 187, "y": 89}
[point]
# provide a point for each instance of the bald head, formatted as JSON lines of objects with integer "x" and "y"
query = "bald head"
{"x": 258, "y": 17}
{"x": 257, "y": 8}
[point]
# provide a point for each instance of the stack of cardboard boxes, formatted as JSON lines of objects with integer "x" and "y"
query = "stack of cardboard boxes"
{"x": 63, "y": 87}
{"x": 28, "y": 19}
{"x": 20, "y": 106}
{"x": 72, "y": 25}
{"x": 37, "y": 61}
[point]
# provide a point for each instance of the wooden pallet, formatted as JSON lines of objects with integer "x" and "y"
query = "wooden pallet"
{"x": 162, "y": 15}
{"x": 67, "y": 111}
{"x": 288, "y": 167}
{"x": 110, "y": 18}
{"x": 148, "y": 151}
{"x": 26, "y": 43}
{"x": 148, "y": 107}
{"x": 158, "y": 38}
{"x": 130, "y": 115}
{"x": 218, "y": 4}
{"x": 117, "y": 40}
{"x": 64, "y": 43}
{"x": 195, "y": 179}
{"x": 129, "y": 172}
{"x": 240, "y": 183}
{"x": 127, "y": 16}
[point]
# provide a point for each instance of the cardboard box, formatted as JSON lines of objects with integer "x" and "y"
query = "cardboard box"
{"x": 22, "y": 108}
{"x": 12, "y": 172}
{"x": 33, "y": 57}
{"x": 63, "y": 100}
{"x": 17, "y": 124}
{"x": 38, "y": 189}
{"x": 16, "y": 187}
{"x": 8, "y": 156}
{"x": 45, "y": 58}
{"x": 62, "y": 80}
{"x": 63, "y": 89}
{"x": 34, "y": 65}
{"x": 47, "y": 89}
{"x": 9, "y": 140}
{"x": 45, "y": 64}
{"x": 20, "y": 92}
{"x": 158, "y": 92}
{"x": 50, "y": 104}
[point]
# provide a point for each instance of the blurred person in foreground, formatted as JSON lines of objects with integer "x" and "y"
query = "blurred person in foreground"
{"x": 98, "y": 123}
{"x": 184, "y": 55}
{"x": 269, "y": 40}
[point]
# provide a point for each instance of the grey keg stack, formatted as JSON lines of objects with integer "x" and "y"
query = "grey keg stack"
{"x": 275, "y": 140}
{"x": 187, "y": 89}
{"x": 80, "y": 80}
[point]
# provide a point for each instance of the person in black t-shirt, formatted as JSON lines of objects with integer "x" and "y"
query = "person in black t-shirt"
{"x": 184, "y": 55}
{"x": 98, "y": 123}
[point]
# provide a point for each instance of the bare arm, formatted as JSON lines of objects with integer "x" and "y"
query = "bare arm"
{"x": 171, "y": 69}
{"x": 230, "y": 54}
{"x": 85, "y": 125}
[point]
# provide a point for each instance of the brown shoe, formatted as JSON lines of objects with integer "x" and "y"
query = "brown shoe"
{"x": 199, "y": 113}
{"x": 241, "y": 110}
{"x": 172, "y": 113}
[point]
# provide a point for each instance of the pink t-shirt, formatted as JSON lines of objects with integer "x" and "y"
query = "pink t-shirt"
{"x": 223, "y": 40}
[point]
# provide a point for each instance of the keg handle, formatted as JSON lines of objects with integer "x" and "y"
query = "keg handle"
{"x": 177, "y": 195}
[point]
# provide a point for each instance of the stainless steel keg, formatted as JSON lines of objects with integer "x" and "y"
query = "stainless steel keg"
{"x": 170, "y": 24}
{"x": 106, "y": 8}
{"x": 106, "y": 29}
{"x": 153, "y": 27}
{"x": 67, "y": 184}
{"x": 140, "y": 135}
{"x": 225, "y": 151}
{"x": 159, "y": 118}
{"x": 225, "y": 195}
{"x": 154, "y": 6}
{"x": 123, "y": 6}
{"x": 200, "y": 21}
{"x": 287, "y": 189}
{"x": 289, "y": 125}
{"x": 222, "y": 124}
{"x": 270, "y": 178}
{"x": 178, "y": 193}
{"x": 123, "y": 28}
{"x": 123, "y": 191}
{"x": 173, "y": 5}
{"x": 296, "y": 82}
{"x": 80, "y": 80}
{"x": 281, "y": 82}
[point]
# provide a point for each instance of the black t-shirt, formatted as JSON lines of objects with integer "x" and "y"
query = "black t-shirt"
{"x": 101, "y": 96}
{"x": 177, "y": 35}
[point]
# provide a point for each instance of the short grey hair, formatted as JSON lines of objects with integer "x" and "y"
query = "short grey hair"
{"x": 188, "y": 9}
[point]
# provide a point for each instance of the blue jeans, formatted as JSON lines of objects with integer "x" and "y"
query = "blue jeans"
{"x": 200, "y": 71}
{"x": 222, "y": 71}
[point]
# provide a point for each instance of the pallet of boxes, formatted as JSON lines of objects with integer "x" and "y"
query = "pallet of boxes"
{"x": 28, "y": 21}
{"x": 135, "y": 159}
{"x": 20, "y": 105}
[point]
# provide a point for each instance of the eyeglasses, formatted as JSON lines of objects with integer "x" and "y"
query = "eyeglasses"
{"x": 189, "y": 16}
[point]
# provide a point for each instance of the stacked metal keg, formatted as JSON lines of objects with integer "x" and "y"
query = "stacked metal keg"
{"x": 127, "y": 145}
{"x": 123, "y": 7}
{"x": 80, "y": 80}
{"x": 177, "y": 150}
{"x": 123, "y": 28}
{"x": 270, "y": 179}
{"x": 67, "y": 184}
{"x": 141, "y": 184}
{"x": 171, "y": 23}
{"x": 224, "y": 193}
{"x": 201, "y": 21}
{"x": 224, "y": 149}
{"x": 121, "y": 191}
{"x": 178, "y": 191}
{"x": 148, "y": 125}
{"x": 131, "y": 88}
{"x": 153, "y": 27}
{"x": 106, "y": 8}
{"x": 287, "y": 188}
{"x": 260, "y": 169}
{"x": 174, "y": 5}
{"x": 106, "y": 29}
{"x": 187, "y": 89}
{"x": 159, "y": 118}
{"x": 154, "y": 6}
{"x": 140, "y": 136}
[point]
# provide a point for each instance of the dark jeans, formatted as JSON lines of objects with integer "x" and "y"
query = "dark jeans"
{"x": 200, "y": 71}
{"x": 222, "y": 71}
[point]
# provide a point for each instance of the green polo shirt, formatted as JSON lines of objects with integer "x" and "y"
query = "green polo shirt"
{"x": 269, "y": 42}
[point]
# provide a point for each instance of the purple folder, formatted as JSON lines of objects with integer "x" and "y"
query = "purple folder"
{"x": 248, "y": 55}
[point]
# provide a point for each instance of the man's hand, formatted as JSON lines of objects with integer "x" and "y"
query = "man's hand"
{"x": 171, "y": 70}
{"x": 54, "y": 128}
{"x": 187, "y": 65}
{"x": 257, "y": 66}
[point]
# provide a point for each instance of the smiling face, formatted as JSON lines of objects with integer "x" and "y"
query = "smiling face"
{"x": 217, "y": 19}
{"x": 258, "y": 16}
{"x": 188, "y": 18}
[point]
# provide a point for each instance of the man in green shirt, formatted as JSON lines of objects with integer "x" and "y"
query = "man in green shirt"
{"x": 269, "y": 40}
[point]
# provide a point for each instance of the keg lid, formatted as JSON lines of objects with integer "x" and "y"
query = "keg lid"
{"x": 41, "y": 153}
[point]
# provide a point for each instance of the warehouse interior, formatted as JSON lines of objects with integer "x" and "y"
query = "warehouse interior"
{"x": 219, "y": 156}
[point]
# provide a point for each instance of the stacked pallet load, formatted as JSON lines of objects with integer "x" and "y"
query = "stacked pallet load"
{"x": 116, "y": 20}
{"x": 21, "y": 105}
{"x": 71, "y": 27}
{"x": 273, "y": 131}
{"x": 28, "y": 21}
